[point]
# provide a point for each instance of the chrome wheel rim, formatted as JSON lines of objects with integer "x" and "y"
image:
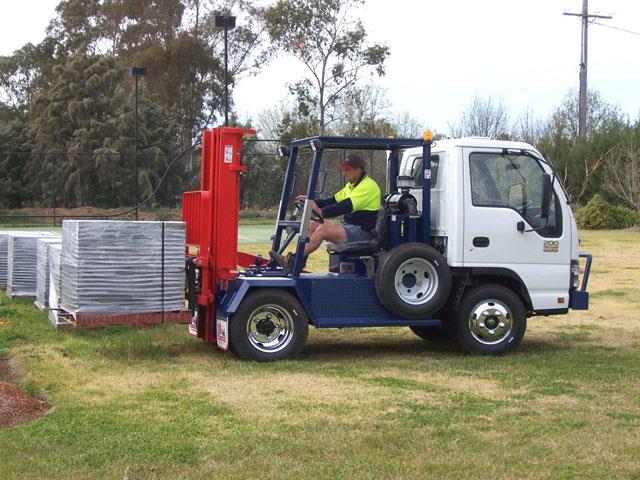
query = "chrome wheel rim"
{"x": 270, "y": 328}
{"x": 490, "y": 321}
{"x": 416, "y": 281}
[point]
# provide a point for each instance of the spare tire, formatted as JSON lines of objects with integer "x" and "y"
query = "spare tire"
{"x": 413, "y": 281}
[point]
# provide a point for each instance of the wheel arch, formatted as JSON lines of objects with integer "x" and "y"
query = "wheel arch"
{"x": 501, "y": 276}
{"x": 230, "y": 304}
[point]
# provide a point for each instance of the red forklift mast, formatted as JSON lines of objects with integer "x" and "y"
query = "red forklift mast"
{"x": 211, "y": 217}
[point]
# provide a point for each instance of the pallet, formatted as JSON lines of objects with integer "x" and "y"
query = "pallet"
{"x": 65, "y": 320}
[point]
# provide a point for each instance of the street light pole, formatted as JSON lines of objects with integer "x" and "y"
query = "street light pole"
{"x": 227, "y": 22}
{"x": 136, "y": 72}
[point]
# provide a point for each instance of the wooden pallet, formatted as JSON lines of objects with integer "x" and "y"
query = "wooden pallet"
{"x": 100, "y": 320}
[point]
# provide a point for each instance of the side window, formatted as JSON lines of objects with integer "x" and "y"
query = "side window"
{"x": 513, "y": 181}
{"x": 416, "y": 170}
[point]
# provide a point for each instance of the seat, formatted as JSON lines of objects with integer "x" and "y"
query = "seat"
{"x": 379, "y": 241}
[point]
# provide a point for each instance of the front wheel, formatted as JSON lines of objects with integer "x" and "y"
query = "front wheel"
{"x": 270, "y": 324}
{"x": 490, "y": 319}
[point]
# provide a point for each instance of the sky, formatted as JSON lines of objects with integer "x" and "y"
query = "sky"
{"x": 443, "y": 53}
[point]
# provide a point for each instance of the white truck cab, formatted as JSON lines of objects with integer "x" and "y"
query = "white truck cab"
{"x": 486, "y": 215}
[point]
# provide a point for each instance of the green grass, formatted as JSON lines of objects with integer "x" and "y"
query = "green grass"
{"x": 610, "y": 293}
{"x": 357, "y": 403}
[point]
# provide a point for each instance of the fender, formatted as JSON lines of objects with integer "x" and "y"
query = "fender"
{"x": 238, "y": 289}
{"x": 512, "y": 277}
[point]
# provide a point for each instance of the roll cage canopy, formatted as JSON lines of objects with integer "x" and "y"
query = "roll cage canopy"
{"x": 357, "y": 143}
{"x": 320, "y": 143}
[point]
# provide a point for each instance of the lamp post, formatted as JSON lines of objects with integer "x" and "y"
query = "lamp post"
{"x": 136, "y": 72}
{"x": 226, "y": 22}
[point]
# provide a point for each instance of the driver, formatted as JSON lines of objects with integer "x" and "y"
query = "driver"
{"x": 358, "y": 201}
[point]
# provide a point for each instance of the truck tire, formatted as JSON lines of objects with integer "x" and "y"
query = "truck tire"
{"x": 433, "y": 334}
{"x": 446, "y": 331}
{"x": 491, "y": 319}
{"x": 413, "y": 281}
{"x": 270, "y": 324}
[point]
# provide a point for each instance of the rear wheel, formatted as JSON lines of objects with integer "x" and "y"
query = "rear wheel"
{"x": 490, "y": 319}
{"x": 270, "y": 324}
{"x": 433, "y": 334}
{"x": 445, "y": 331}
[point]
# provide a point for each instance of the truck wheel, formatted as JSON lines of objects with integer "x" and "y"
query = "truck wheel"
{"x": 270, "y": 324}
{"x": 433, "y": 334}
{"x": 446, "y": 331}
{"x": 413, "y": 281}
{"x": 490, "y": 319}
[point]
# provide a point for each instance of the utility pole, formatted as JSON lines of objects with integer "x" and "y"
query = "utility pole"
{"x": 582, "y": 102}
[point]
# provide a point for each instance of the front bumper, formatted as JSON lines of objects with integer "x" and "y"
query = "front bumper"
{"x": 579, "y": 299}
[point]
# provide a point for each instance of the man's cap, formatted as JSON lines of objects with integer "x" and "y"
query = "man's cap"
{"x": 353, "y": 161}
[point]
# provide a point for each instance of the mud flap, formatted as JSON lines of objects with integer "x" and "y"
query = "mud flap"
{"x": 222, "y": 333}
{"x": 193, "y": 326}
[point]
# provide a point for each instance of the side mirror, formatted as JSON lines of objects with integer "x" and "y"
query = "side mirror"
{"x": 546, "y": 196}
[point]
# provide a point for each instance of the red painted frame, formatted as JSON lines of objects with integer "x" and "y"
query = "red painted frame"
{"x": 211, "y": 216}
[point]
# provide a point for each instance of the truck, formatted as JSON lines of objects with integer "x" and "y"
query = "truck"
{"x": 474, "y": 237}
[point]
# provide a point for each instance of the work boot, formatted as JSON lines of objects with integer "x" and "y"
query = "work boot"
{"x": 286, "y": 262}
{"x": 276, "y": 257}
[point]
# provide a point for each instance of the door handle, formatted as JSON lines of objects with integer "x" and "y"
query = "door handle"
{"x": 481, "y": 242}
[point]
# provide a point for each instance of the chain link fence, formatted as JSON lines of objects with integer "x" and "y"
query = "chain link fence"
{"x": 261, "y": 186}
{"x": 46, "y": 188}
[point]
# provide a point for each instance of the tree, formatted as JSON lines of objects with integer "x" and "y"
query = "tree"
{"x": 18, "y": 74}
{"x": 622, "y": 174}
{"x": 175, "y": 40}
{"x": 580, "y": 163}
{"x": 248, "y": 52}
{"x": 283, "y": 123}
{"x": 408, "y": 126}
{"x": 15, "y": 143}
{"x": 75, "y": 27}
{"x": 276, "y": 126}
{"x": 528, "y": 128}
{"x": 331, "y": 45}
{"x": 483, "y": 117}
{"x": 84, "y": 121}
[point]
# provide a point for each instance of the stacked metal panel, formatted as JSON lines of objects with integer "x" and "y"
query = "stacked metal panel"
{"x": 122, "y": 267}
{"x": 22, "y": 252}
{"x": 4, "y": 255}
{"x": 42, "y": 270}
{"x": 54, "y": 282}
{"x": 4, "y": 248}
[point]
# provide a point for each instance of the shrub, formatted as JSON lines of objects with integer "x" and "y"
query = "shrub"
{"x": 599, "y": 214}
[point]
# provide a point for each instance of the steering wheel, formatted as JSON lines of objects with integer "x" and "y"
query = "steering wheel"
{"x": 299, "y": 207}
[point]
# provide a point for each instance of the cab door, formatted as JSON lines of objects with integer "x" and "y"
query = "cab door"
{"x": 503, "y": 188}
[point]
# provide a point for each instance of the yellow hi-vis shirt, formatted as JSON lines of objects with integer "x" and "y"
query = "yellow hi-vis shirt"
{"x": 358, "y": 202}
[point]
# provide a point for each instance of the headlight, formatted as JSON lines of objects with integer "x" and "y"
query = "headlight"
{"x": 575, "y": 274}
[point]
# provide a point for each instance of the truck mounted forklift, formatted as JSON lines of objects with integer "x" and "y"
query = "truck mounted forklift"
{"x": 455, "y": 283}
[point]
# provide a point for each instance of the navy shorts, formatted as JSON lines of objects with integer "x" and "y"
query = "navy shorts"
{"x": 355, "y": 233}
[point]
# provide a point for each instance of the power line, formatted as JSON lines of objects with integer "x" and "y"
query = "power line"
{"x": 616, "y": 28}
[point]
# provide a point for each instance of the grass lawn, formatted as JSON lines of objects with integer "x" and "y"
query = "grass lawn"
{"x": 365, "y": 403}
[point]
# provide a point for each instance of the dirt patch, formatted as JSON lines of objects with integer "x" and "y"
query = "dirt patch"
{"x": 17, "y": 407}
{"x": 6, "y": 373}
